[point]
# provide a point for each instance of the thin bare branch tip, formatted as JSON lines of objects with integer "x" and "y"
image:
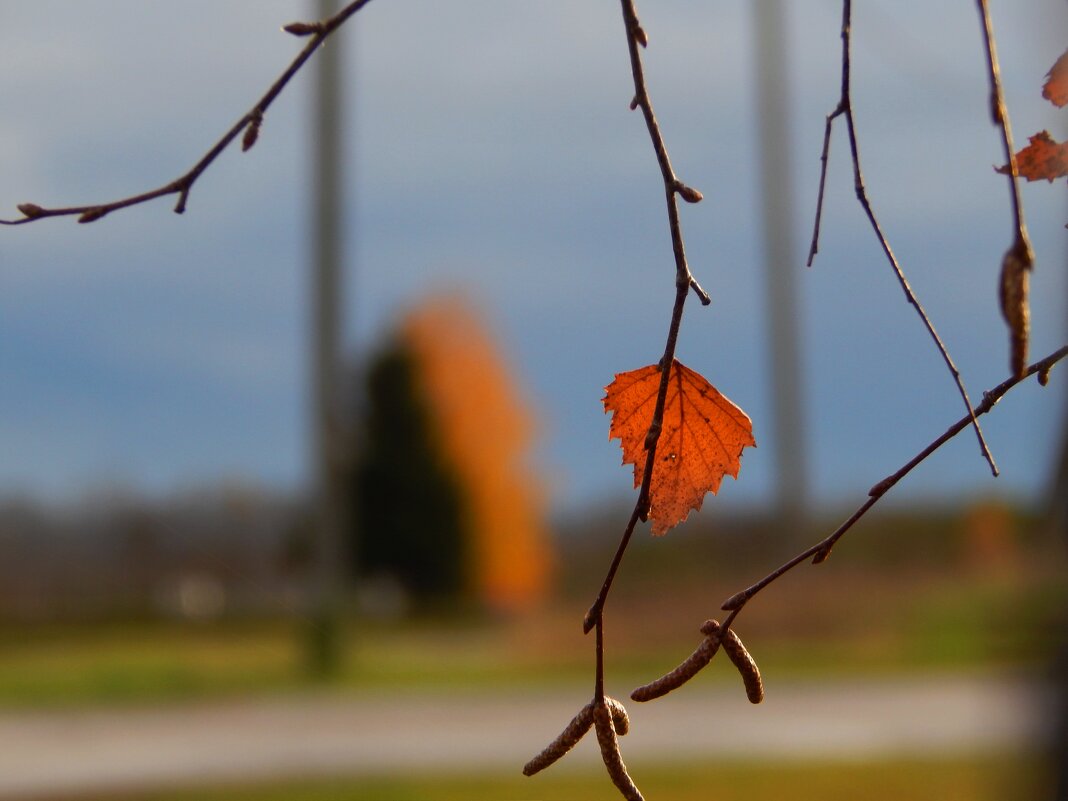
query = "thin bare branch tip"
{"x": 704, "y": 297}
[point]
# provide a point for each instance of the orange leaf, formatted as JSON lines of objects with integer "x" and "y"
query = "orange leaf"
{"x": 1043, "y": 158}
{"x": 1055, "y": 90}
{"x": 701, "y": 440}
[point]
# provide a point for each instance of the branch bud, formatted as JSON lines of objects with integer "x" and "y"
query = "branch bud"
{"x": 31, "y": 210}
{"x": 303, "y": 28}
{"x": 736, "y": 601}
{"x": 92, "y": 215}
{"x": 688, "y": 193}
{"x": 252, "y": 132}
{"x": 640, "y": 35}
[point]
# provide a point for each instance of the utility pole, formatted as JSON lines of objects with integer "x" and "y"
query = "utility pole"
{"x": 325, "y": 644}
{"x": 780, "y": 263}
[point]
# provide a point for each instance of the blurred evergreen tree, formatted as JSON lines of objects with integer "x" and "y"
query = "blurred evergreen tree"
{"x": 410, "y": 518}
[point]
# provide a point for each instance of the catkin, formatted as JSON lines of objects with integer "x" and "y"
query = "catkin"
{"x": 747, "y": 666}
{"x": 579, "y": 725}
{"x": 613, "y": 760}
{"x": 682, "y": 674}
{"x": 620, "y": 718}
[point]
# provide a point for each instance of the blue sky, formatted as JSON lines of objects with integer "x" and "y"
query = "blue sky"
{"x": 491, "y": 149}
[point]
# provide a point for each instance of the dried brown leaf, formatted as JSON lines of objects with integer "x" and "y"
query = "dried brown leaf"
{"x": 1043, "y": 158}
{"x": 1055, "y": 90}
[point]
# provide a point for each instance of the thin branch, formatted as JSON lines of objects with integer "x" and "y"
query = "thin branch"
{"x": 636, "y": 38}
{"x": 844, "y": 105}
{"x": 249, "y": 123}
{"x": 821, "y": 550}
{"x": 684, "y": 283}
{"x": 845, "y": 108}
{"x": 1019, "y": 258}
{"x": 598, "y": 686}
{"x": 594, "y": 612}
{"x": 1000, "y": 115}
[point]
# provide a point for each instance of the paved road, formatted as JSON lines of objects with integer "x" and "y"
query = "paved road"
{"x": 49, "y": 753}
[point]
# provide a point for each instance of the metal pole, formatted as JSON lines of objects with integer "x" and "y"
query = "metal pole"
{"x": 325, "y": 641}
{"x": 780, "y": 263}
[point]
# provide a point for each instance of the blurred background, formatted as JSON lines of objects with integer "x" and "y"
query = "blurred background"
{"x": 323, "y": 461}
